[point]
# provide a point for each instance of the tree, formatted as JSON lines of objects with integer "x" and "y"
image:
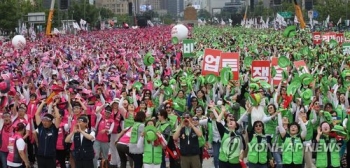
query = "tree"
{"x": 334, "y": 8}
{"x": 106, "y": 13}
{"x": 203, "y": 14}
{"x": 87, "y": 12}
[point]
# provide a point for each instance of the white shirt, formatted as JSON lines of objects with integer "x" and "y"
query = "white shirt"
{"x": 20, "y": 144}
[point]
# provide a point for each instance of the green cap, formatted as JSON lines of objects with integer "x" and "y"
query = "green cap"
{"x": 283, "y": 62}
{"x": 151, "y": 133}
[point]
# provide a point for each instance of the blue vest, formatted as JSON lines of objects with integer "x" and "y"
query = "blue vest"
{"x": 47, "y": 140}
{"x": 84, "y": 150}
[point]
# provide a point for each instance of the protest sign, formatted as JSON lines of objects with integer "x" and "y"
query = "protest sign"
{"x": 261, "y": 70}
{"x": 231, "y": 60}
{"x": 211, "y": 62}
{"x": 278, "y": 78}
{"x": 188, "y": 48}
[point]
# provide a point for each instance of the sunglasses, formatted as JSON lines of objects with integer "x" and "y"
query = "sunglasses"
{"x": 168, "y": 107}
{"x": 187, "y": 117}
{"x": 258, "y": 125}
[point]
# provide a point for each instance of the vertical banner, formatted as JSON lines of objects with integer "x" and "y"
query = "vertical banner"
{"x": 231, "y": 60}
{"x": 278, "y": 78}
{"x": 211, "y": 62}
{"x": 316, "y": 38}
{"x": 261, "y": 70}
{"x": 301, "y": 64}
{"x": 188, "y": 47}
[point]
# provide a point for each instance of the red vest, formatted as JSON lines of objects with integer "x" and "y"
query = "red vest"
{"x": 6, "y": 132}
{"x": 103, "y": 124}
{"x": 61, "y": 137}
{"x": 13, "y": 155}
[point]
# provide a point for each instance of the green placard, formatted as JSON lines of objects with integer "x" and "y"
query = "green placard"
{"x": 346, "y": 48}
{"x": 188, "y": 48}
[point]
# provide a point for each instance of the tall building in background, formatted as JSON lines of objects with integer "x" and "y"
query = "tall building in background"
{"x": 216, "y": 4}
{"x": 116, "y": 6}
{"x": 198, "y": 4}
{"x": 175, "y": 7}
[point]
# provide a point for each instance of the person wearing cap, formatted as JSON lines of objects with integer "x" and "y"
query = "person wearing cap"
{"x": 117, "y": 128}
{"x": 103, "y": 129}
{"x": 6, "y": 131}
{"x": 47, "y": 134}
{"x": 188, "y": 135}
{"x": 83, "y": 139}
{"x": 17, "y": 148}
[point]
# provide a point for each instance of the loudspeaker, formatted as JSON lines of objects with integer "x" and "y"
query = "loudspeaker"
{"x": 130, "y": 8}
{"x": 63, "y": 4}
{"x": 236, "y": 19}
{"x": 142, "y": 22}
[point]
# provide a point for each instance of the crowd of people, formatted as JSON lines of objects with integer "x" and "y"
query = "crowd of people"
{"x": 130, "y": 97}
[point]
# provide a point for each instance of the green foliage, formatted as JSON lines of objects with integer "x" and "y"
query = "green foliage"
{"x": 335, "y": 8}
{"x": 203, "y": 14}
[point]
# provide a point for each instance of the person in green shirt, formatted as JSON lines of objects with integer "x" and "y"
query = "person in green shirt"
{"x": 180, "y": 102}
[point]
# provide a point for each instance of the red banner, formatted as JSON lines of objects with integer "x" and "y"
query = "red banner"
{"x": 211, "y": 62}
{"x": 261, "y": 70}
{"x": 299, "y": 64}
{"x": 231, "y": 60}
{"x": 317, "y": 37}
{"x": 278, "y": 78}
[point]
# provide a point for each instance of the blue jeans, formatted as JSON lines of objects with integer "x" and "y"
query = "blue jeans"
{"x": 3, "y": 159}
{"x": 278, "y": 159}
{"x": 216, "y": 151}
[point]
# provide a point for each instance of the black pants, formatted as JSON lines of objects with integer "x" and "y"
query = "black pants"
{"x": 61, "y": 157}
{"x": 31, "y": 148}
{"x": 172, "y": 162}
{"x": 84, "y": 164}
{"x": 229, "y": 165}
{"x": 292, "y": 166}
{"x": 138, "y": 160}
{"x": 46, "y": 162}
{"x": 123, "y": 151}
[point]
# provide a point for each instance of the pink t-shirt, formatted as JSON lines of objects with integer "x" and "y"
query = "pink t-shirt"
{"x": 125, "y": 139}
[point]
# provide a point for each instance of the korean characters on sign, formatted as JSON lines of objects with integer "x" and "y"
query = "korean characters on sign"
{"x": 261, "y": 70}
{"x": 278, "y": 78}
{"x": 231, "y": 60}
{"x": 215, "y": 60}
{"x": 299, "y": 64}
{"x": 317, "y": 37}
{"x": 188, "y": 47}
{"x": 346, "y": 48}
{"x": 211, "y": 62}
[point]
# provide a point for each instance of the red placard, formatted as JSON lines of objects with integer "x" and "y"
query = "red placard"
{"x": 278, "y": 78}
{"x": 231, "y": 60}
{"x": 299, "y": 64}
{"x": 261, "y": 70}
{"x": 211, "y": 62}
{"x": 316, "y": 38}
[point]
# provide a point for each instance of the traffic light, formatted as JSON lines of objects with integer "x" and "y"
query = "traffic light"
{"x": 63, "y": 4}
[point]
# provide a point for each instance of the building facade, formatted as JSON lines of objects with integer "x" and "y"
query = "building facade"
{"x": 116, "y": 6}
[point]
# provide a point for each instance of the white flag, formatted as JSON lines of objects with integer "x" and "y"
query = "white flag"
{"x": 339, "y": 21}
{"x": 327, "y": 19}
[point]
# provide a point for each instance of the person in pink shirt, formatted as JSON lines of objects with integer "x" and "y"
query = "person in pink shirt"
{"x": 103, "y": 129}
{"x": 6, "y": 131}
{"x": 17, "y": 148}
